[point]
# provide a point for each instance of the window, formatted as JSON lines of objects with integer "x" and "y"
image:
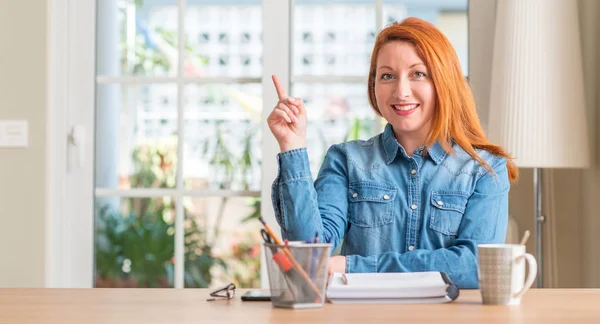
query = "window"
{"x": 177, "y": 145}
{"x": 179, "y": 113}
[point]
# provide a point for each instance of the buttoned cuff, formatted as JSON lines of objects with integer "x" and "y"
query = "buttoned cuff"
{"x": 293, "y": 165}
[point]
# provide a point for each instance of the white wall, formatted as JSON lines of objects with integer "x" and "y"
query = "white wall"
{"x": 482, "y": 16}
{"x": 22, "y": 171}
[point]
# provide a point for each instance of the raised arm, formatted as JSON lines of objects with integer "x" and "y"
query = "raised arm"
{"x": 304, "y": 209}
{"x": 301, "y": 210}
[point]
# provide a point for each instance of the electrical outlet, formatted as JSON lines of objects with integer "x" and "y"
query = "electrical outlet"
{"x": 14, "y": 134}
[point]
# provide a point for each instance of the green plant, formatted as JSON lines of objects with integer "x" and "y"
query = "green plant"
{"x": 199, "y": 257}
{"x": 135, "y": 243}
{"x": 244, "y": 261}
{"x": 236, "y": 170}
{"x": 360, "y": 128}
{"x": 154, "y": 164}
{"x": 133, "y": 248}
{"x": 255, "y": 215}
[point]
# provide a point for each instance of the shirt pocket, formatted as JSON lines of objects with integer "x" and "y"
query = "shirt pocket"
{"x": 448, "y": 208}
{"x": 371, "y": 204}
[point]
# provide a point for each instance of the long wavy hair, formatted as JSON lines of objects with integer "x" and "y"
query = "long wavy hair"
{"x": 455, "y": 116}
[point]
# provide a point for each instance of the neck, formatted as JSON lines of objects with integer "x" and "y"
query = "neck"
{"x": 410, "y": 145}
{"x": 411, "y": 141}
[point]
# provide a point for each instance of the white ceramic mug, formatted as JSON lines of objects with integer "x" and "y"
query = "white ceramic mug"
{"x": 501, "y": 273}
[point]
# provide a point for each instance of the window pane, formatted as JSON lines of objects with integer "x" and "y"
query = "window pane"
{"x": 136, "y": 136}
{"x": 222, "y": 242}
{"x": 336, "y": 113}
{"x": 333, "y": 37}
{"x": 134, "y": 242}
{"x": 222, "y": 136}
{"x": 450, "y": 16}
{"x": 223, "y": 40}
{"x": 137, "y": 37}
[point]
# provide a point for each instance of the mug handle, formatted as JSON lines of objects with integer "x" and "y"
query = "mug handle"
{"x": 531, "y": 273}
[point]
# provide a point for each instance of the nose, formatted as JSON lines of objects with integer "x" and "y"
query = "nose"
{"x": 403, "y": 89}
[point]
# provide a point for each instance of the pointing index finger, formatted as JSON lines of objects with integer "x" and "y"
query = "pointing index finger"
{"x": 279, "y": 88}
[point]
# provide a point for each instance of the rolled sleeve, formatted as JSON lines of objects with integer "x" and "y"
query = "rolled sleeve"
{"x": 304, "y": 209}
{"x": 293, "y": 165}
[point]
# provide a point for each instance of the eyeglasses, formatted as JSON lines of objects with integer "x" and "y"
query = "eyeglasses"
{"x": 227, "y": 292}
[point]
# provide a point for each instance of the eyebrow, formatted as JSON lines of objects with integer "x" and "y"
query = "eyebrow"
{"x": 410, "y": 67}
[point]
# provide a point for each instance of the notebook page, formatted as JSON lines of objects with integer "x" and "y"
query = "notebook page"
{"x": 387, "y": 285}
{"x": 395, "y": 280}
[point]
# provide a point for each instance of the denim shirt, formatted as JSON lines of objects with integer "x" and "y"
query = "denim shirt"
{"x": 396, "y": 213}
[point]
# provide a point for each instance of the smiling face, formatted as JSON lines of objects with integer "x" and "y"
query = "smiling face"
{"x": 404, "y": 91}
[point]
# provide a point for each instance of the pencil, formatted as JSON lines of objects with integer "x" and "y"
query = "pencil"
{"x": 270, "y": 231}
{"x": 291, "y": 257}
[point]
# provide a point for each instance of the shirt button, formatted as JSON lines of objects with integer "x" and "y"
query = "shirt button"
{"x": 441, "y": 203}
{"x": 355, "y": 195}
{"x": 386, "y": 197}
{"x": 413, "y": 206}
{"x": 410, "y": 248}
{"x": 413, "y": 171}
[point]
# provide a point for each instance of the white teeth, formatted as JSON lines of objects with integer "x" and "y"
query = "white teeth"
{"x": 405, "y": 107}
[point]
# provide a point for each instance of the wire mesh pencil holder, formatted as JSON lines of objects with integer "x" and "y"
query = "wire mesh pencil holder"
{"x": 298, "y": 274}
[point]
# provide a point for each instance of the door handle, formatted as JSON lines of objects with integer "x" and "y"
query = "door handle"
{"x": 77, "y": 140}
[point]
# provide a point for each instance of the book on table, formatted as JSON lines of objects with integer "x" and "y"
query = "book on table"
{"x": 391, "y": 287}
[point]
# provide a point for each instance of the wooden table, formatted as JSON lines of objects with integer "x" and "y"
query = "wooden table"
{"x": 190, "y": 306}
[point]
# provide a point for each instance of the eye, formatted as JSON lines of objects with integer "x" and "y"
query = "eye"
{"x": 420, "y": 75}
{"x": 386, "y": 76}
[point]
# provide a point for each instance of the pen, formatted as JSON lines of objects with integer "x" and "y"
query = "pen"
{"x": 344, "y": 279}
{"x": 313, "y": 264}
{"x": 291, "y": 258}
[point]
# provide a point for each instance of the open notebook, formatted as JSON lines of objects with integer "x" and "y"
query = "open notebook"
{"x": 396, "y": 287}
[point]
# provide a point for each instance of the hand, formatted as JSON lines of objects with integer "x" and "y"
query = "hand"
{"x": 287, "y": 121}
{"x": 337, "y": 264}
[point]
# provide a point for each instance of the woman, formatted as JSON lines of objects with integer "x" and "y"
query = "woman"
{"x": 418, "y": 197}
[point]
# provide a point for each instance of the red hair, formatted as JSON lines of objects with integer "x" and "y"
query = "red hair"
{"x": 455, "y": 117}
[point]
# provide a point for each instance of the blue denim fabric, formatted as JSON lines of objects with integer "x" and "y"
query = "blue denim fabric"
{"x": 396, "y": 213}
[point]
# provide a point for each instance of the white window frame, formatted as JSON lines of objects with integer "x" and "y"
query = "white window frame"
{"x": 69, "y": 258}
{"x": 69, "y": 254}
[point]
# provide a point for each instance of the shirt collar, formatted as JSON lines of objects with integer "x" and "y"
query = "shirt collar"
{"x": 391, "y": 147}
{"x": 437, "y": 153}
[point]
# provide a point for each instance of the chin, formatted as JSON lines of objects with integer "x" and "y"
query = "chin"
{"x": 405, "y": 127}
